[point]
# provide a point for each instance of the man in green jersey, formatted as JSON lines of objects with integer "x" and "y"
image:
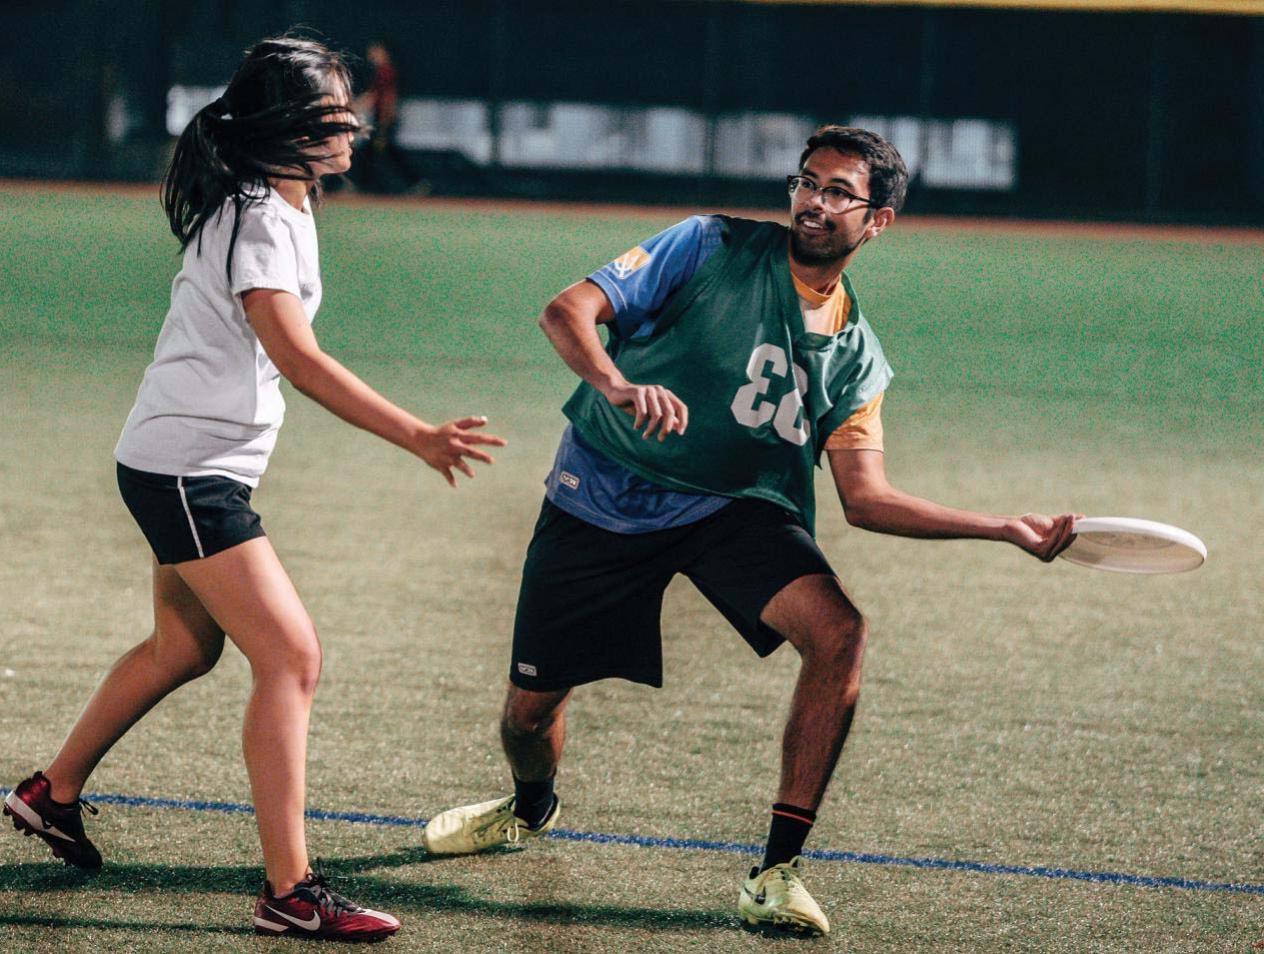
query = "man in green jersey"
{"x": 737, "y": 356}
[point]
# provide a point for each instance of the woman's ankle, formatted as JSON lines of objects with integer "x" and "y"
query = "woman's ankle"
{"x": 62, "y": 790}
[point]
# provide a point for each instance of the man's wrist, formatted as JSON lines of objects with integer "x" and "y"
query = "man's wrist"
{"x": 1007, "y": 530}
{"x": 609, "y": 383}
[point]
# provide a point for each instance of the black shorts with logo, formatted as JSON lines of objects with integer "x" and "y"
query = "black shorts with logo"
{"x": 187, "y": 518}
{"x": 591, "y": 599}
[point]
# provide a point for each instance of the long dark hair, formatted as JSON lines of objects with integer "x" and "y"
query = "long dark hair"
{"x": 264, "y": 126}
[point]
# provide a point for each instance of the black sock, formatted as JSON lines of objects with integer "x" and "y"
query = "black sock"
{"x": 786, "y": 835}
{"x": 533, "y": 801}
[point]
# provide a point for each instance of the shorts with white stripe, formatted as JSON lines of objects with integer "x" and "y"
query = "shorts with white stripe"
{"x": 188, "y": 518}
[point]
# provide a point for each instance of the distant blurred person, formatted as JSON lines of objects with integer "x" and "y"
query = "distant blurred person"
{"x": 238, "y": 196}
{"x": 384, "y": 167}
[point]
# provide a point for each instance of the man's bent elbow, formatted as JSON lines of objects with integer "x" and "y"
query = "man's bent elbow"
{"x": 858, "y": 516}
{"x": 553, "y": 317}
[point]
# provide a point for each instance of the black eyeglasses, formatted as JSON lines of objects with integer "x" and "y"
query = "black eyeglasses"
{"x": 836, "y": 199}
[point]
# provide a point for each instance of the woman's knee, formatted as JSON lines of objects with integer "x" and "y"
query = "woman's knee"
{"x": 184, "y": 656}
{"x": 297, "y": 660}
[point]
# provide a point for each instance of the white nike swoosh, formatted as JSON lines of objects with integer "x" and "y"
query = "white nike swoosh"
{"x": 32, "y": 818}
{"x": 52, "y": 830}
{"x": 310, "y": 925}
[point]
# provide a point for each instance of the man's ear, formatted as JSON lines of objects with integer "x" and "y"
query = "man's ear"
{"x": 881, "y": 219}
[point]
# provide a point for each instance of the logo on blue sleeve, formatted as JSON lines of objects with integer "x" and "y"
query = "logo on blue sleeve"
{"x": 630, "y": 261}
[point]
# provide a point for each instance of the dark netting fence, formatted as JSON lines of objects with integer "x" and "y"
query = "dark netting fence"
{"x": 1003, "y": 112}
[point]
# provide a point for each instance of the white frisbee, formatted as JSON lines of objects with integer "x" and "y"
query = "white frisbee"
{"x": 1129, "y": 545}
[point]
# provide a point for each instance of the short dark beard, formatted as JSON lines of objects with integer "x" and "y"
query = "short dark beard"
{"x": 811, "y": 256}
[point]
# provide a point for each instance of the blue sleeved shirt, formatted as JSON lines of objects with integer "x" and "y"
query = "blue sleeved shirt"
{"x": 586, "y": 483}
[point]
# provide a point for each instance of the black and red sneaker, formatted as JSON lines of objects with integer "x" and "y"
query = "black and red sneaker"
{"x": 34, "y": 812}
{"x": 313, "y": 911}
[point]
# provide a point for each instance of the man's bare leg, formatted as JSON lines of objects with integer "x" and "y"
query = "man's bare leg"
{"x": 533, "y": 731}
{"x": 815, "y": 616}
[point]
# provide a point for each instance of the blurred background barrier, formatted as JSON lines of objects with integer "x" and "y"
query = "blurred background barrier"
{"x": 1151, "y": 110}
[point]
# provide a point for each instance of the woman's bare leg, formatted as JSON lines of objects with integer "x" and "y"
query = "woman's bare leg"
{"x": 247, "y": 591}
{"x": 186, "y": 642}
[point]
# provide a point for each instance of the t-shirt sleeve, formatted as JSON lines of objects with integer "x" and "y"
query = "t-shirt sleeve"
{"x": 264, "y": 256}
{"x": 639, "y": 282}
{"x": 861, "y": 431}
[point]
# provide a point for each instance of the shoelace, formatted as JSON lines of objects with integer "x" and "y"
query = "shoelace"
{"x": 75, "y": 806}
{"x": 510, "y": 825}
{"x": 325, "y": 898}
{"x": 513, "y": 834}
{"x": 789, "y": 876}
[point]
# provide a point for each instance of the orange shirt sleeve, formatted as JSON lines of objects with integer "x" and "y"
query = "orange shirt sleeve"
{"x": 861, "y": 431}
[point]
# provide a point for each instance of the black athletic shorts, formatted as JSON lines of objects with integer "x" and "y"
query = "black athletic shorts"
{"x": 591, "y": 599}
{"x": 187, "y": 518}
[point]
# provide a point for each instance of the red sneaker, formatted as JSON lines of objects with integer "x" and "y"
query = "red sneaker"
{"x": 35, "y": 813}
{"x": 313, "y": 911}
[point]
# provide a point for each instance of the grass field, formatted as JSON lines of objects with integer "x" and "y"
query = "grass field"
{"x": 1014, "y": 714}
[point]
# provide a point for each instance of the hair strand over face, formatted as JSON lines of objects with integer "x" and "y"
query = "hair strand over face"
{"x": 288, "y": 96}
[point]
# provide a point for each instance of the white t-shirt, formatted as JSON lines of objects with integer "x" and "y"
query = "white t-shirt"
{"x": 210, "y": 403}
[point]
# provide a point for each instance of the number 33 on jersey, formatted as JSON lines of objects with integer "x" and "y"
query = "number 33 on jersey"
{"x": 752, "y": 407}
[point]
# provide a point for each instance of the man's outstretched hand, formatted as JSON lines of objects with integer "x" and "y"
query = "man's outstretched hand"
{"x": 1040, "y": 535}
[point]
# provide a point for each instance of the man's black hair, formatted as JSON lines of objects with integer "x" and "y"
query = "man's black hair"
{"x": 888, "y": 176}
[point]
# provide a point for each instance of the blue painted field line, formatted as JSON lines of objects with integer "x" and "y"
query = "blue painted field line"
{"x": 732, "y": 847}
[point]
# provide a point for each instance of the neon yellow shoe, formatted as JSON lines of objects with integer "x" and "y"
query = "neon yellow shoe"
{"x": 473, "y": 828}
{"x": 777, "y": 899}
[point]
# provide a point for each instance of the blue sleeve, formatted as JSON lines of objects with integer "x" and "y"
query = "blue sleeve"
{"x": 639, "y": 282}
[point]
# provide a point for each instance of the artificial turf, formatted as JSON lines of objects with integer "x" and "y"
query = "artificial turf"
{"x": 1012, "y": 713}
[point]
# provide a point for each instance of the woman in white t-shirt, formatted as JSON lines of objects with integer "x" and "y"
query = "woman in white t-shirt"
{"x": 197, "y": 441}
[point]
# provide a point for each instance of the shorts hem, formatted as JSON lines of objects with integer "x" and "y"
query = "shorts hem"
{"x": 210, "y": 550}
{"x": 535, "y": 684}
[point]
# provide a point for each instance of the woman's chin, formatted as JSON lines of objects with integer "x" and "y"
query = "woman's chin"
{"x": 334, "y": 167}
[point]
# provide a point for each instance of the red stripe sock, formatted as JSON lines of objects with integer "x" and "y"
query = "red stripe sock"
{"x": 787, "y": 833}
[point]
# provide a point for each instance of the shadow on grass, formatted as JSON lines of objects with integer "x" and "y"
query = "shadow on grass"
{"x": 395, "y": 896}
{"x": 98, "y": 924}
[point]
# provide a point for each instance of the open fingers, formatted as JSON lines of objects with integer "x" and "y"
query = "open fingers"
{"x": 654, "y": 410}
{"x": 476, "y": 454}
{"x": 465, "y": 426}
{"x": 474, "y": 438}
{"x": 675, "y": 414}
{"x": 639, "y": 405}
{"x": 671, "y": 416}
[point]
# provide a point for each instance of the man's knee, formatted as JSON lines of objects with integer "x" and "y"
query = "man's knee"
{"x": 530, "y": 714}
{"x": 837, "y": 642}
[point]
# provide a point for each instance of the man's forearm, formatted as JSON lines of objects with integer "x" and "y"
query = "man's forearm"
{"x": 576, "y": 339}
{"x": 905, "y": 515}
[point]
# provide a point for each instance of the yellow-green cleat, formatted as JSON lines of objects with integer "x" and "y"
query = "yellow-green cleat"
{"x": 776, "y": 899}
{"x": 474, "y": 828}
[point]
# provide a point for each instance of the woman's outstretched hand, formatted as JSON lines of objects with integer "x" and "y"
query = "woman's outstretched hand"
{"x": 446, "y": 447}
